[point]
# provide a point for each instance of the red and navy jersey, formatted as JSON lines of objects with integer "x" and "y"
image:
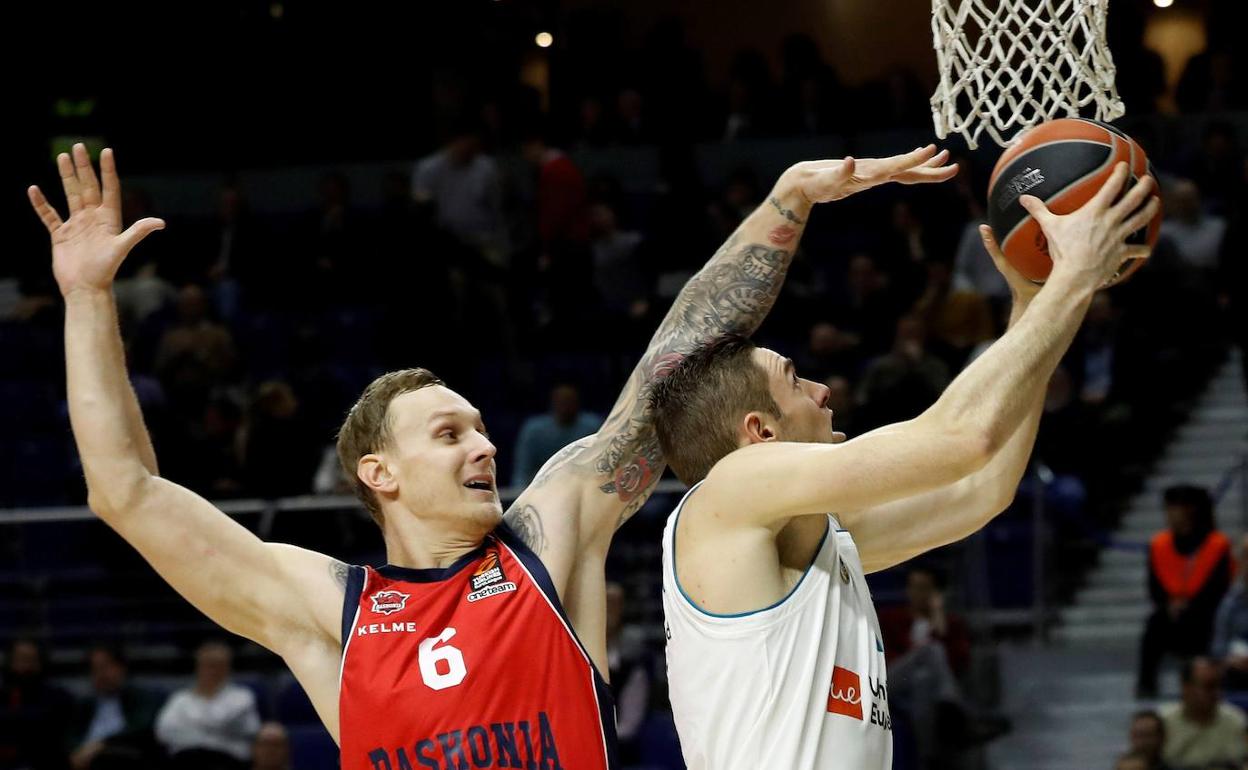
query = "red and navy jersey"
{"x": 471, "y": 666}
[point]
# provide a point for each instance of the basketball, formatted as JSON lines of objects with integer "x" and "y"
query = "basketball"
{"x": 1063, "y": 163}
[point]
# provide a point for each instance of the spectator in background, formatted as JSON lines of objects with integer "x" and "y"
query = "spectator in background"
{"x": 465, "y": 189}
{"x": 829, "y": 351}
{"x": 1230, "y": 629}
{"x": 195, "y": 352}
{"x": 271, "y": 749}
{"x": 561, "y": 204}
{"x": 630, "y": 126}
{"x": 113, "y": 727}
{"x": 957, "y": 319}
{"x": 620, "y": 281}
{"x": 279, "y": 457}
{"x": 1195, "y": 235}
{"x": 1147, "y": 738}
{"x": 544, "y": 434}
{"x": 1131, "y": 761}
{"x": 750, "y": 101}
{"x": 211, "y": 725}
{"x": 903, "y": 382}
{"x": 148, "y": 285}
{"x": 1189, "y": 570}
{"x": 1203, "y": 731}
{"x": 32, "y": 711}
{"x": 631, "y": 675}
{"x": 868, "y": 306}
{"x": 810, "y": 89}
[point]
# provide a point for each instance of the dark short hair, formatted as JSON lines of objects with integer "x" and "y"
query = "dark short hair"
{"x": 113, "y": 651}
{"x": 697, "y": 404}
{"x": 1188, "y": 671}
{"x": 937, "y": 575}
{"x": 1190, "y": 496}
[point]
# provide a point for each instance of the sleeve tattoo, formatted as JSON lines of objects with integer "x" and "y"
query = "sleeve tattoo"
{"x": 732, "y": 294}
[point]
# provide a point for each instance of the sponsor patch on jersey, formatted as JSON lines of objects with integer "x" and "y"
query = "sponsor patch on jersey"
{"x": 489, "y": 579}
{"x": 845, "y": 694}
{"x": 389, "y": 602}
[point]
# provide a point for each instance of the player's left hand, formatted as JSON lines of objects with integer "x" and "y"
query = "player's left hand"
{"x": 820, "y": 181}
{"x": 1022, "y": 289}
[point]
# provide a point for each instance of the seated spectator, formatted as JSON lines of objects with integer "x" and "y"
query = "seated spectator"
{"x": 620, "y": 282}
{"x": 1203, "y": 731}
{"x": 829, "y": 351}
{"x": 113, "y": 727}
{"x": 1148, "y": 737}
{"x": 903, "y": 382}
{"x": 957, "y": 319}
{"x": 927, "y": 649}
{"x": 31, "y": 711}
{"x": 211, "y": 725}
{"x": 867, "y": 305}
{"x": 1230, "y": 630}
{"x": 1131, "y": 761}
{"x": 271, "y": 750}
{"x": 195, "y": 342}
{"x": 279, "y": 456}
{"x": 1195, "y": 235}
{"x": 1189, "y": 570}
{"x": 631, "y": 675}
{"x": 544, "y": 434}
{"x": 465, "y": 188}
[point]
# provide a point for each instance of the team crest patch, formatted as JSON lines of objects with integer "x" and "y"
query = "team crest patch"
{"x": 489, "y": 579}
{"x": 389, "y": 602}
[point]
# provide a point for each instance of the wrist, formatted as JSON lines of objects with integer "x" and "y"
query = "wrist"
{"x": 85, "y": 293}
{"x": 789, "y": 193}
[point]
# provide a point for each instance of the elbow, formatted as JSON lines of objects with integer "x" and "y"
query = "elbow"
{"x": 110, "y": 498}
{"x": 976, "y": 448}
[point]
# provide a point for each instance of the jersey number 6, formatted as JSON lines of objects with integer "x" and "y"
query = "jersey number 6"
{"x": 452, "y": 659}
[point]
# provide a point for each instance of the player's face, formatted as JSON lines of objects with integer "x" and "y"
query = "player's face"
{"x": 443, "y": 458}
{"x": 802, "y": 403}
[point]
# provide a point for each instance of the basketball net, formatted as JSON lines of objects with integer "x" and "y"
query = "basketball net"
{"x": 1006, "y": 65}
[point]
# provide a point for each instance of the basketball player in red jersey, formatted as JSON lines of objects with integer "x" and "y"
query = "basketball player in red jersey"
{"x": 481, "y": 644}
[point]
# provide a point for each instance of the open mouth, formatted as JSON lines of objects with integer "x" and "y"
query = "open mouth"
{"x": 483, "y": 485}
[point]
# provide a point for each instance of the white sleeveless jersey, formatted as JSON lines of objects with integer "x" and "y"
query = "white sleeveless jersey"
{"x": 799, "y": 685}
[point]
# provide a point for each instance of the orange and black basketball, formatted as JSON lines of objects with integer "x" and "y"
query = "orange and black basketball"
{"x": 1063, "y": 163}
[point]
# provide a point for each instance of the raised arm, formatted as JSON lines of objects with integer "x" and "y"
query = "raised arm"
{"x": 611, "y": 473}
{"x": 979, "y": 417}
{"x": 251, "y": 588}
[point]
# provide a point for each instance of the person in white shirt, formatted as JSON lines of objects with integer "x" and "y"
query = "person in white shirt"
{"x": 212, "y": 723}
{"x": 1203, "y": 730}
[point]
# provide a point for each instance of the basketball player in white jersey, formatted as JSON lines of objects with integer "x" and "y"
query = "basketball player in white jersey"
{"x": 774, "y": 653}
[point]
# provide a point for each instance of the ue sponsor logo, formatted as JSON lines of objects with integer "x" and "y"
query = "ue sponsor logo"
{"x": 389, "y": 602}
{"x": 845, "y": 694}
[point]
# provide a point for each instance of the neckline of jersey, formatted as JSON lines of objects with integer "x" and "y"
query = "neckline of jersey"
{"x": 432, "y": 574}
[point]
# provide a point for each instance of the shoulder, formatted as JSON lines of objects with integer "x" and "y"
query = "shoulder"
{"x": 1233, "y": 715}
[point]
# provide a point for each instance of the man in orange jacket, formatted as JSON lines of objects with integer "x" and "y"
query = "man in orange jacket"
{"x": 1190, "y": 566}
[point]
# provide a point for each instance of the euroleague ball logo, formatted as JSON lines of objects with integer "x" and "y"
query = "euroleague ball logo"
{"x": 489, "y": 579}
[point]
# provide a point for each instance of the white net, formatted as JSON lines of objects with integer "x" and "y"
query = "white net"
{"x": 1009, "y": 64}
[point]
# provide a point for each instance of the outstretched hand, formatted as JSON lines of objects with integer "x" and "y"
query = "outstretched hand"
{"x": 820, "y": 181}
{"x": 89, "y": 246}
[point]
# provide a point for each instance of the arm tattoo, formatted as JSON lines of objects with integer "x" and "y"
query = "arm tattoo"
{"x": 339, "y": 571}
{"x": 526, "y": 522}
{"x": 732, "y": 294}
{"x": 786, "y": 213}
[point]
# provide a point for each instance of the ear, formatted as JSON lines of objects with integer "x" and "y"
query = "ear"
{"x": 759, "y": 427}
{"x": 375, "y": 473}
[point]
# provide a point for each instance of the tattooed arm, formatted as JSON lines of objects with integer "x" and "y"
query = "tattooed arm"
{"x": 732, "y": 294}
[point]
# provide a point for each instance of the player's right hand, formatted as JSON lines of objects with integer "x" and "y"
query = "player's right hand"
{"x": 1092, "y": 241}
{"x": 88, "y": 247}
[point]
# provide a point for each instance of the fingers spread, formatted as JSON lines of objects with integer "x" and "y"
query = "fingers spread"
{"x": 43, "y": 209}
{"x": 1113, "y": 186}
{"x": 140, "y": 230}
{"x": 1134, "y": 198}
{"x": 69, "y": 181}
{"x": 89, "y": 187}
{"x": 1141, "y": 218}
{"x": 1037, "y": 209}
{"x": 108, "y": 174}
